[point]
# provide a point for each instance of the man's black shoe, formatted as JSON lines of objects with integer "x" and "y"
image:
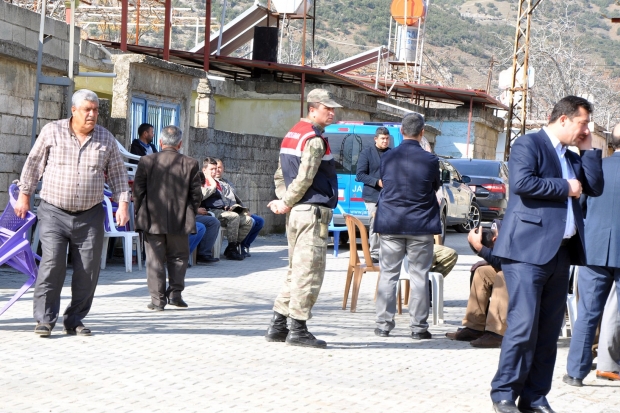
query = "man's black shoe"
{"x": 537, "y": 409}
{"x": 277, "y": 330}
{"x": 203, "y": 259}
{"x": 245, "y": 251}
{"x": 78, "y": 331}
{"x": 505, "y": 406}
{"x": 177, "y": 302}
{"x": 572, "y": 381}
{"x": 152, "y": 306}
{"x": 299, "y": 335}
{"x": 425, "y": 335}
{"x": 381, "y": 333}
{"x": 232, "y": 252}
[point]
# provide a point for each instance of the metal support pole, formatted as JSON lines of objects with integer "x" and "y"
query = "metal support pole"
{"x": 138, "y": 21}
{"x": 471, "y": 109}
{"x": 313, "y": 30}
{"x": 303, "y": 36}
{"x": 219, "y": 39}
{"x": 303, "y": 88}
{"x": 124, "y": 21}
{"x": 378, "y": 67}
{"x": 71, "y": 86}
{"x": 167, "y": 29}
{"x": 207, "y": 47}
{"x": 38, "y": 86}
{"x": 281, "y": 39}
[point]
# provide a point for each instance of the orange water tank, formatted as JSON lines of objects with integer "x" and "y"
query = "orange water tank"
{"x": 415, "y": 10}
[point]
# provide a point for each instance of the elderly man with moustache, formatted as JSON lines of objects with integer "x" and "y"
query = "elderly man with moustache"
{"x": 72, "y": 156}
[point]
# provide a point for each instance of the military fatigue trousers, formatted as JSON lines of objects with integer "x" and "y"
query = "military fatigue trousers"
{"x": 444, "y": 259}
{"x": 306, "y": 262}
{"x": 237, "y": 226}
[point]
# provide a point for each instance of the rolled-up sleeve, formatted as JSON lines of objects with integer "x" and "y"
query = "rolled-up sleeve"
{"x": 35, "y": 165}
{"x": 117, "y": 175}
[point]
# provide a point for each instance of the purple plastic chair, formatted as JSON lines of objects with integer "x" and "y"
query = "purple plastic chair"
{"x": 14, "y": 247}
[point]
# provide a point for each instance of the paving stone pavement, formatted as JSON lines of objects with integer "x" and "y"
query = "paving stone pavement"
{"x": 212, "y": 357}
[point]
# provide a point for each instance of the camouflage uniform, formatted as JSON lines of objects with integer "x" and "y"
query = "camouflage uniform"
{"x": 307, "y": 246}
{"x": 237, "y": 226}
{"x": 444, "y": 259}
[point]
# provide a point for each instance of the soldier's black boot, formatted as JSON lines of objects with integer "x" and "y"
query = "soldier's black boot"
{"x": 300, "y": 336}
{"x": 277, "y": 330}
{"x": 232, "y": 252}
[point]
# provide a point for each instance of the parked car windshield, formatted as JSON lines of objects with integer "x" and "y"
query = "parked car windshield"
{"x": 473, "y": 168}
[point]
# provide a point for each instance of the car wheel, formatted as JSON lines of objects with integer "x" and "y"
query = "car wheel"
{"x": 344, "y": 238}
{"x": 473, "y": 220}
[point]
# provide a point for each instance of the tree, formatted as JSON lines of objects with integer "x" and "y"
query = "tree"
{"x": 565, "y": 65}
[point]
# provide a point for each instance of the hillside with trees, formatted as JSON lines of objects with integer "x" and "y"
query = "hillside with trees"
{"x": 574, "y": 46}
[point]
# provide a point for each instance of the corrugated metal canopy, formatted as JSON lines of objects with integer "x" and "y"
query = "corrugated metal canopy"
{"x": 433, "y": 93}
{"x": 359, "y": 60}
{"x": 238, "y": 68}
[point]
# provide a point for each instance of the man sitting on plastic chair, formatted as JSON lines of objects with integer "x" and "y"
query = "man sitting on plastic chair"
{"x": 232, "y": 216}
{"x": 228, "y": 190}
{"x": 485, "y": 328}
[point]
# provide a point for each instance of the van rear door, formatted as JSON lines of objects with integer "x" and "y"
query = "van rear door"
{"x": 341, "y": 144}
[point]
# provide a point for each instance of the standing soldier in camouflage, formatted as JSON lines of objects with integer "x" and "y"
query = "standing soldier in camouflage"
{"x": 307, "y": 188}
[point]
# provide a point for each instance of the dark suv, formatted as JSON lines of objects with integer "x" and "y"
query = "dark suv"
{"x": 489, "y": 181}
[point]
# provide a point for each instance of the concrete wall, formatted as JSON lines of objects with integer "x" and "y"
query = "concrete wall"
{"x": 18, "y": 56}
{"x": 453, "y": 124}
{"x": 250, "y": 162}
{"x": 271, "y": 108}
{"x": 154, "y": 79}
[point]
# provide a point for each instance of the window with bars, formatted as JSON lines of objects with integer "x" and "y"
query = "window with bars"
{"x": 158, "y": 114}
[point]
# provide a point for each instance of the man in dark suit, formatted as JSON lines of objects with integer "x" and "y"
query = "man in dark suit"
{"x": 407, "y": 218}
{"x": 143, "y": 145}
{"x": 167, "y": 194}
{"x": 368, "y": 172}
{"x": 542, "y": 234}
{"x": 602, "y": 235}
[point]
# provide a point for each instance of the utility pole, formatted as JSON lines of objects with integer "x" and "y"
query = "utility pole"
{"x": 520, "y": 64}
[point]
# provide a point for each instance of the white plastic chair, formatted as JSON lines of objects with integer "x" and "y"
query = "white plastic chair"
{"x": 436, "y": 280}
{"x": 126, "y": 153}
{"x": 571, "y": 304}
{"x": 217, "y": 247}
{"x": 127, "y": 236}
{"x": 131, "y": 167}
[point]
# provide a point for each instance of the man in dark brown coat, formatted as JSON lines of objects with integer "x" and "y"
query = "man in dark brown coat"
{"x": 167, "y": 195}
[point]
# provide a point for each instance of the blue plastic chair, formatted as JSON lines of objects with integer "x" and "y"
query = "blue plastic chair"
{"x": 337, "y": 229}
{"x": 14, "y": 247}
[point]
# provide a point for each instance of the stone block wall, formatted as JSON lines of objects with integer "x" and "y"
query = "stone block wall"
{"x": 17, "y": 84}
{"x": 19, "y": 29}
{"x": 485, "y": 142}
{"x": 250, "y": 162}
